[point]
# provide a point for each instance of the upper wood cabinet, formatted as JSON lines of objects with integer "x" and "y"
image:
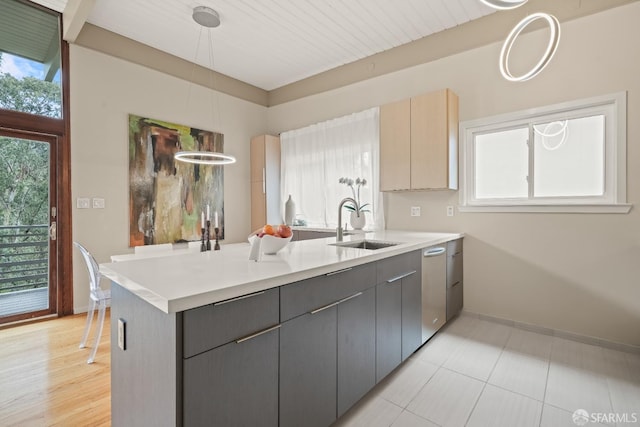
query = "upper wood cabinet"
{"x": 265, "y": 181}
{"x": 419, "y": 143}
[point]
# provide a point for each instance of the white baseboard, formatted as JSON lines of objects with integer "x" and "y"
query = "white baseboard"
{"x": 556, "y": 333}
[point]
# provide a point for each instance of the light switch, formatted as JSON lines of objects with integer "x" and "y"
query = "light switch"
{"x": 415, "y": 210}
{"x": 98, "y": 203}
{"x": 449, "y": 210}
{"x": 82, "y": 203}
{"x": 122, "y": 334}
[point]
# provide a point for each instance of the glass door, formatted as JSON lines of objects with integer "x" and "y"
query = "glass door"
{"x": 28, "y": 249}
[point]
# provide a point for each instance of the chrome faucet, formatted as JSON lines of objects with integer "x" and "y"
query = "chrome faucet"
{"x": 339, "y": 230}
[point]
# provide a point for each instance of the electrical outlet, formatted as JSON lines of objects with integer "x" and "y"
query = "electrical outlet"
{"x": 449, "y": 210}
{"x": 98, "y": 203}
{"x": 415, "y": 210}
{"x": 82, "y": 203}
{"x": 122, "y": 334}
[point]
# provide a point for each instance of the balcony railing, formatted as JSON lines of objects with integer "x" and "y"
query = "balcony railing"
{"x": 24, "y": 268}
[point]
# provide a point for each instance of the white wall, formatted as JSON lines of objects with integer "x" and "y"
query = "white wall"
{"x": 104, "y": 90}
{"x": 574, "y": 272}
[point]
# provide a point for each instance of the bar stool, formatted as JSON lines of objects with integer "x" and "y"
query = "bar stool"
{"x": 97, "y": 297}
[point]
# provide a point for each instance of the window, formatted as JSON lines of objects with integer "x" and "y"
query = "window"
{"x": 30, "y": 59}
{"x": 562, "y": 158}
{"x": 314, "y": 158}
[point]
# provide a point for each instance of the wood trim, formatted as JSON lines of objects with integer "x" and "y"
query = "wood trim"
{"x": 26, "y": 122}
{"x": 65, "y": 225}
{"x": 45, "y": 128}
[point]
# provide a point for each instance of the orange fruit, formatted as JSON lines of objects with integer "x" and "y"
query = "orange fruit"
{"x": 268, "y": 229}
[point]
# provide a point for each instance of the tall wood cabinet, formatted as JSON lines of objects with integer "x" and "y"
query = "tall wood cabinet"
{"x": 265, "y": 181}
{"x": 419, "y": 143}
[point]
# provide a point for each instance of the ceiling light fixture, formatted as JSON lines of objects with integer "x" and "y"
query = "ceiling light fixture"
{"x": 554, "y": 39}
{"x": 504, "y": 4}
{"x": 206, "y": 18}
{"x": 204, "y": 157}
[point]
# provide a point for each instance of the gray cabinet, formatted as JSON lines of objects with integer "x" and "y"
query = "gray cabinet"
{"x": 454, "y": 278}
{"x": 308, "y": 366}
{"x": 230, "y": 366}
{"x": 216, "y": 324}
{"x": 388, "y": 329}
{"x": 233, "y": 385}
{"x": 301, "y": 234}
{"x": 301, "y": 354}
{"x": 398, "y": 311}
{"x": 312, "y": 234}
{"x": 327, "y": 345}
{"x": 356, "y": 349}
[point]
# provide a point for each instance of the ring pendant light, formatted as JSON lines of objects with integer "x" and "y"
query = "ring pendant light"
{"x": 554, "y": 39}
{"x": 207, "y": 18}
{"x": 504, "y": 4}
{"x": 204, "y": 158}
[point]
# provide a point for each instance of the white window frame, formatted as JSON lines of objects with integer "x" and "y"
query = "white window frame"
{"x": 612, "y": 106}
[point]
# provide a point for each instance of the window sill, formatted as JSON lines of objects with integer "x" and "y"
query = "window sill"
{"x": 621, "y": 208}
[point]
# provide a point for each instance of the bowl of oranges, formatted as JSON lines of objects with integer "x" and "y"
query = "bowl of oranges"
{"x": 273, "y": 237}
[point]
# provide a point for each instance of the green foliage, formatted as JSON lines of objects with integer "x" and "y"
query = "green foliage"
{"x": 30, "y": 95}
{"x": 24, "y": 164}
{"x": 24, "y": 182}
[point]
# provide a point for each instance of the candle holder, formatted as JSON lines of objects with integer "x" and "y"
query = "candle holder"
{"x": 208, "y": 240}
{"x": 216, "y": 247}
{"x": 203, "y": 247}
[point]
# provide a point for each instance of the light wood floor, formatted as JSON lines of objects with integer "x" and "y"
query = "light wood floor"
{"x": 45, "y": 379}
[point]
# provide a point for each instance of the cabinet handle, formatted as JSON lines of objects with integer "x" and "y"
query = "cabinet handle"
{"x": 402, "y": 276}
{"x": 333, "y": 304}
{"x": 333, "y": 273}
{"x": 238, "y": 298}
{"x": 454, "y": 285}
{"x": 257, "y": 334}
{"x": 264, "y": 181}
{"x": 434, "y": 252}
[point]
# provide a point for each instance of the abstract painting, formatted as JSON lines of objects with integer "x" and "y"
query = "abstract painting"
{"x": 168, "y": 197}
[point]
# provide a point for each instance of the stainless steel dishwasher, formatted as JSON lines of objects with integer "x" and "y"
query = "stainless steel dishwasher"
{"x": 434, "y": 290}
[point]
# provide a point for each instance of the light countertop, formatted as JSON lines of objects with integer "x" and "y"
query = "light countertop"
{"x": 181, "y": 279}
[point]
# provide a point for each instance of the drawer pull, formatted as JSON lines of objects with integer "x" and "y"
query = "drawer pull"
{"x": 402, "y": 276}
{"x": 238, "y": 298}
{"x": 333, "y": 304}
{"x": 257, "y": 334}
{"x": 333, "y": 273}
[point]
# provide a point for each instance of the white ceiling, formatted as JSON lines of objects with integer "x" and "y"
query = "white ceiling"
{"x": 271, "y": 43}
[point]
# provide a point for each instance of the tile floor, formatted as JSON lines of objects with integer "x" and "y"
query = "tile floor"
{"x": 476, "y": 372}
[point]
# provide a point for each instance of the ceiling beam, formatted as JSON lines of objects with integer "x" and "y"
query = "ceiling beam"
{"x": 74, "y": 16}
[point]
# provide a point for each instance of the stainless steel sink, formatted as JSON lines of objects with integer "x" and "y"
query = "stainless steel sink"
{"x": 365, "y": 244}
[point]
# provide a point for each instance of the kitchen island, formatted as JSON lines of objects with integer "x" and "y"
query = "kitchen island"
{"x": 296, "y": 339}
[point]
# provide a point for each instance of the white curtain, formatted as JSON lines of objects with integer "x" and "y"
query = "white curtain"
{"x": 314, "y": 158}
